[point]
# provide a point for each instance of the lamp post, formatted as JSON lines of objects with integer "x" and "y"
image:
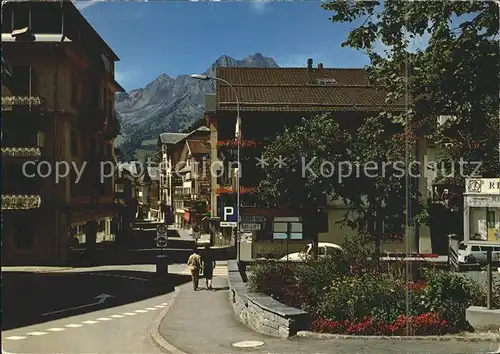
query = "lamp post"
{"x": 238, "y": 139}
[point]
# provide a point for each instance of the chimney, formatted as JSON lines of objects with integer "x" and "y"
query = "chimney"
{"x": 320, "y": 66}
{"x": 309, "y": 63}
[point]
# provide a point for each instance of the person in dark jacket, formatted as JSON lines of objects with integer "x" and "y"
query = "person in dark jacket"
{"x": 208, "y": 267}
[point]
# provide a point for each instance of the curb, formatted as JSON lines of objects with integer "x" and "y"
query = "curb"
{"x": 487, "y": 337}
{"x": 155, "y": 335}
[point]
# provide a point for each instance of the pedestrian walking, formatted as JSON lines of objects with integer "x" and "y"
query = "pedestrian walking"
{"x": 194, "y": 263}
{"x": 208, "y": 267}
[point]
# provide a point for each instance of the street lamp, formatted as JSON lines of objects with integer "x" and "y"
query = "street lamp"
{"x": 238, "y": 139}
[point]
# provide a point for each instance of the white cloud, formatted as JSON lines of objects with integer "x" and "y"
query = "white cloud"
{"x": 260, "y": 6}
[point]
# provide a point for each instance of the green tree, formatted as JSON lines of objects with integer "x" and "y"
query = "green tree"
{"x": 325, "y": 157}
{"x": 455, "y": 73}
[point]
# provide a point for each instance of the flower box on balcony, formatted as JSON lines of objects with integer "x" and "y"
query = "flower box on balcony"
{"x": 20, "y": 201}
{"x": 233, "y": 143}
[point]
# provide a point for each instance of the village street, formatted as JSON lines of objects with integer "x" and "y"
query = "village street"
{"x": 113, "y": 309}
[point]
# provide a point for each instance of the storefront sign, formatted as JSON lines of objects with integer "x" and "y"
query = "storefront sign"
{"x": 483, "y": 186}
{"x": 250, "y": 227}
{"x": 253, "y": 218}
{"x": 486, "y": 201}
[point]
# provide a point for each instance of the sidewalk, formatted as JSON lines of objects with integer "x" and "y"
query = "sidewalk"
{"x": 204, "y": 322}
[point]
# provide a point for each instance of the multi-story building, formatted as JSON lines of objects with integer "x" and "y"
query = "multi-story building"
{"x": 291, "y": 94}
{"x": 57, "y": 57}
{"x": 187, "y": 177}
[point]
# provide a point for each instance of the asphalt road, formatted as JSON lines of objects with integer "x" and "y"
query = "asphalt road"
{"x": 59, "y": 312}
{"x": 30, "y": 298}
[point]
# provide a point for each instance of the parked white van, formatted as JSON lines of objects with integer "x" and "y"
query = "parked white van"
{"x": 477, "y": 252}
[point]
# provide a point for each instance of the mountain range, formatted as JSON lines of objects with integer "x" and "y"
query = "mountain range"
{"x": 168, "y": 104}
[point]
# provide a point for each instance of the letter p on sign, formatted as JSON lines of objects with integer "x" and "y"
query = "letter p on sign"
{"x": 228, "y": 211}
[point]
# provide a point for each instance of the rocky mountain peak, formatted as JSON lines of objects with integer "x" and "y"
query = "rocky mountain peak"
{"x": 170, "y": 104}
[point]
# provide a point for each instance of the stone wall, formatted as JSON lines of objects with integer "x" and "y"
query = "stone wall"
{"x": 261, "y": 312}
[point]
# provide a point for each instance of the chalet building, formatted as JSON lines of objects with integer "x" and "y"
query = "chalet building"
{"x": 187, "y": 172}
{"x": 270, "y": 100}
{"x": 61, "y": 101}
{"x": 148, "y": 190}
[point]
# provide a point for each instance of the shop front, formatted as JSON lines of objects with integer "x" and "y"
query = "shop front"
{"x": 270, "y": 233}
{"x": 482, "y": 210}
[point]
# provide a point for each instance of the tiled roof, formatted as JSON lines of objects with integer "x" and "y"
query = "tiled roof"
{"x": 198, "y": 147}
{"x": 171, "y": 138}
{"x": 300, "y": 90}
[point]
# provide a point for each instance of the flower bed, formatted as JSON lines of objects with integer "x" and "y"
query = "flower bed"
{"x": 419, "y": 325}
{"x": 359, "y": 297}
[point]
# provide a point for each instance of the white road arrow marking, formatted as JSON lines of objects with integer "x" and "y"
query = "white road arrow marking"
{"x": 101, "y": 299}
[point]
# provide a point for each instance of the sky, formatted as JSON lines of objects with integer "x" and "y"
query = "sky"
{"x": 185, "y": 37}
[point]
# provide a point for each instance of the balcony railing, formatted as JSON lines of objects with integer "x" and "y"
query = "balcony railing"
{"x": 21, "y": 153}
{"x": 27, "y": 102}
{"x": 20, "y": 201}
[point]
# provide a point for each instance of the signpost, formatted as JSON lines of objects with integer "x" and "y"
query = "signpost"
{"x": 161, "y": 259}
{"x": 196, "y": 235}
{"x": 161, "y": 236}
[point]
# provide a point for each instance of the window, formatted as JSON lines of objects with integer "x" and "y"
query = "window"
{"x": 490, "y": 219}
{"x": 475, "y": 249}
{"x": 486, "y": 248}
{"x": 40, "y": 139}
{"x": 119, "y": 188}
{"x": 322, "y": 221}
{"x": 321, "y": 251}
{"x": 75, "y": 88}
{"x": 24, "y": 236}
{"x": 462, "y": 247}
{"x": 85, "y": 93}
{"x": 104, "y": 100}
{"x": 93, "y": 147}
{"x": 75, "y": 142}
{"x": 110, "y": 109}
{"x": 21, "y": 80}
{"x": 22, "y": 17}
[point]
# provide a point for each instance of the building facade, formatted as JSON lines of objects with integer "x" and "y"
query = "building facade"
{"x": 57, "y": 56}
{"x": 291, "y": 94}
{"x": 187, "y": 177}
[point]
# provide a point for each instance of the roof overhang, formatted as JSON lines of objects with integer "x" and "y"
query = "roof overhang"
{"x": 37, "y": 38}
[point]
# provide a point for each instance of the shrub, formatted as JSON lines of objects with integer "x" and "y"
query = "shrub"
{"x": 348, "y": 298}
{"x": 449, "y": 294}
{"x": 271, "y": 278}
{"x": 314, "y": 278}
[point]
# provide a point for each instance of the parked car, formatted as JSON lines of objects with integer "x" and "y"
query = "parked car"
{"x": 477, "y": 253}
{"x": 324, "y": 249}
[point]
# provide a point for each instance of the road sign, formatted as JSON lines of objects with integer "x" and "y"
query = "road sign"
{"x": 161, "y": 241}
{"x": 196, "y": 229}
{"x": 161, "y": 230}
{"x": 229, "y": 214}
{"x": 228, "y": 224}
{"x": 161, "y": 236}
{"x": 250, "y": 227}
